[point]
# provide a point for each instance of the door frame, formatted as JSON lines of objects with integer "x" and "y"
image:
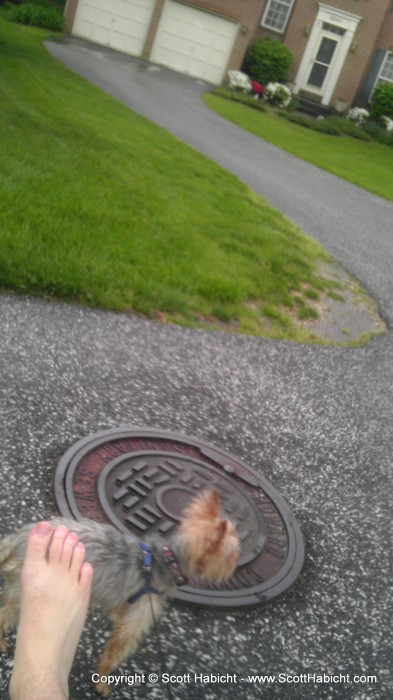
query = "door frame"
{"x": 329, "y": 16}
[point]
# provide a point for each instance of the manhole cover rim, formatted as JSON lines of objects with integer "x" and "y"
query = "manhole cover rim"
{"x": 239, "y": 598}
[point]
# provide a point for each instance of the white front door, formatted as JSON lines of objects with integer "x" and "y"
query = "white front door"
{"x": 323, "y": 62}
{"x": 327, "y": 48}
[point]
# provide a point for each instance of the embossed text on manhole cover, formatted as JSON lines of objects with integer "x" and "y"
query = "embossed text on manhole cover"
{"x": 141, "y": 479}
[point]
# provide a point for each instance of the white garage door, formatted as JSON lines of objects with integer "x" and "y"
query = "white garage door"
{"x": 118, "y": 24}
{"x": 193, "y": 41}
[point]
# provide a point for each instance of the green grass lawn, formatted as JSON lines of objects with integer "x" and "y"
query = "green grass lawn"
{"x": 366, "y": 164}
{"x": 101, "y": 207}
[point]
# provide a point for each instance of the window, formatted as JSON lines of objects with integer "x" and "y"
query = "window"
{"x": 386, "y": 73}
{"x": 333, "y": 29}
{"x": 276, "y": 14}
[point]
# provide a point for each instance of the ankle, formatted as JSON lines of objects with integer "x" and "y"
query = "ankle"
{"x": 37, "y": 683}
{"x": 40, "y": 685}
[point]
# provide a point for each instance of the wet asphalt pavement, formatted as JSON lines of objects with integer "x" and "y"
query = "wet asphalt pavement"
{"x": 317, "y": 422}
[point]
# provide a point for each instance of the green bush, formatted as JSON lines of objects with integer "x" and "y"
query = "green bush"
{"x": 293, "y": 105}
{"x": 382, "y": 101}
{"x": 277, "y": 94}
{"x": 378, "y": 133}
{"x": 346, "y": 127}
{"x": 268, "y": 61}
{"x": 320, "y": 125}
{"x": 37, "y": 16}
{"x": 240, "y": 97}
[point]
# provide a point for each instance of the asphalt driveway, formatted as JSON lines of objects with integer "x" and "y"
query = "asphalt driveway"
{"x": 315, "y": 421}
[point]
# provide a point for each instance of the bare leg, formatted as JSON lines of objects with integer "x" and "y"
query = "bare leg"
{"x": 55, "y": 591}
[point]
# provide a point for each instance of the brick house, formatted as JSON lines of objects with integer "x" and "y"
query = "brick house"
{"x": 342, "y": 48}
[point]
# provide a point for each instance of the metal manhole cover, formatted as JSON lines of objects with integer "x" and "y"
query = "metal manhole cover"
{"x": 140, "y": 480}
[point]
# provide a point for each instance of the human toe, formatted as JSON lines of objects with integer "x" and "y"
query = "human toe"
{"x": 57, "y": 544}
{"x": 38, "y": 541}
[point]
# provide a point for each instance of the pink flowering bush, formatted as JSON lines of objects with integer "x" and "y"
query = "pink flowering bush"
{"x": 257, "y": 88}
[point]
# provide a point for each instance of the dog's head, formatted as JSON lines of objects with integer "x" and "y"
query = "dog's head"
{"x": 210, "y": 541}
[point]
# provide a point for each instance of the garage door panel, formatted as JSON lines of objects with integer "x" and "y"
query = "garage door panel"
{"x": 219, "y": 43}
{"x": 135, "y": 12}
{"x": 100, "y": 35}
{"x": 186, "y": 30}
{"x": 120, "y": 24}
{"x": 194, "y": 41}
{"x": 119, "y": 40}
{"x": 214, "y": 57}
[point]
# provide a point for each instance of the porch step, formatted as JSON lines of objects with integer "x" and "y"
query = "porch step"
{"x": 312, "y": 106}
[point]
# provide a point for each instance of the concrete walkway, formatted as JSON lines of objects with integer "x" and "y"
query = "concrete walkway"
{"x": 315, "y": 421}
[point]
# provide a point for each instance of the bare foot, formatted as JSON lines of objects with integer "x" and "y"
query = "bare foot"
{"x": 56, "y": 583}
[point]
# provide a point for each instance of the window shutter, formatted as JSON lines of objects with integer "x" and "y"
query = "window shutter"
{"x": 366, "y": 89}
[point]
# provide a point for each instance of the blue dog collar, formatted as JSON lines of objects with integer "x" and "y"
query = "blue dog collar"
{"x": 146, "y": 567}
{"x": 171, "y": 564}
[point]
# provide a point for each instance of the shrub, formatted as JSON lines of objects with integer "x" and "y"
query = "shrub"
{"x": 382, "y": 101}
{"x": 320, "y": 125}
{"x": 257, "y": 88}
{"x": 248, "y": 100}
{"x": 278, "y": 95}
{"x": 378, "y": 133}
{"x": 37, "y": 16}
{"x": 358, "y": 115}
{"x": 387, "y": 123}
{"x": 238, "y": 81}
{"x": 293, "y": 105}
{"x": 268, "y": 61}
{"x": 344, "y": 126}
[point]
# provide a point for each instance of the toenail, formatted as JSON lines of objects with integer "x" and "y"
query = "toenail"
{"x": 42, "y": 528}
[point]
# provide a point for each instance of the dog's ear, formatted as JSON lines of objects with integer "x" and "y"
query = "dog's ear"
{"x": 212, "y": 504}
{"x": 220, "y": 532}
{"x": 217, "y": 537}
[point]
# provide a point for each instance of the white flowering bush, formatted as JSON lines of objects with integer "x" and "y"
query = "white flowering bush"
{"x": 239, "y": 81}
{"x": 277, "y": 94}
{"x": 358, "y": 115}
{"x": 387, "y": 123}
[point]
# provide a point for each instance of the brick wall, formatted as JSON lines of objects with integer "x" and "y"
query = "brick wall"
{"x": 385, "y": 38}
{"x": 69, "y": 14}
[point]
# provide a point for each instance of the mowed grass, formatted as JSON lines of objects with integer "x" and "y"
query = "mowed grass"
{"x": 101, "y": 207}
{"x": 366, "y": 164}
